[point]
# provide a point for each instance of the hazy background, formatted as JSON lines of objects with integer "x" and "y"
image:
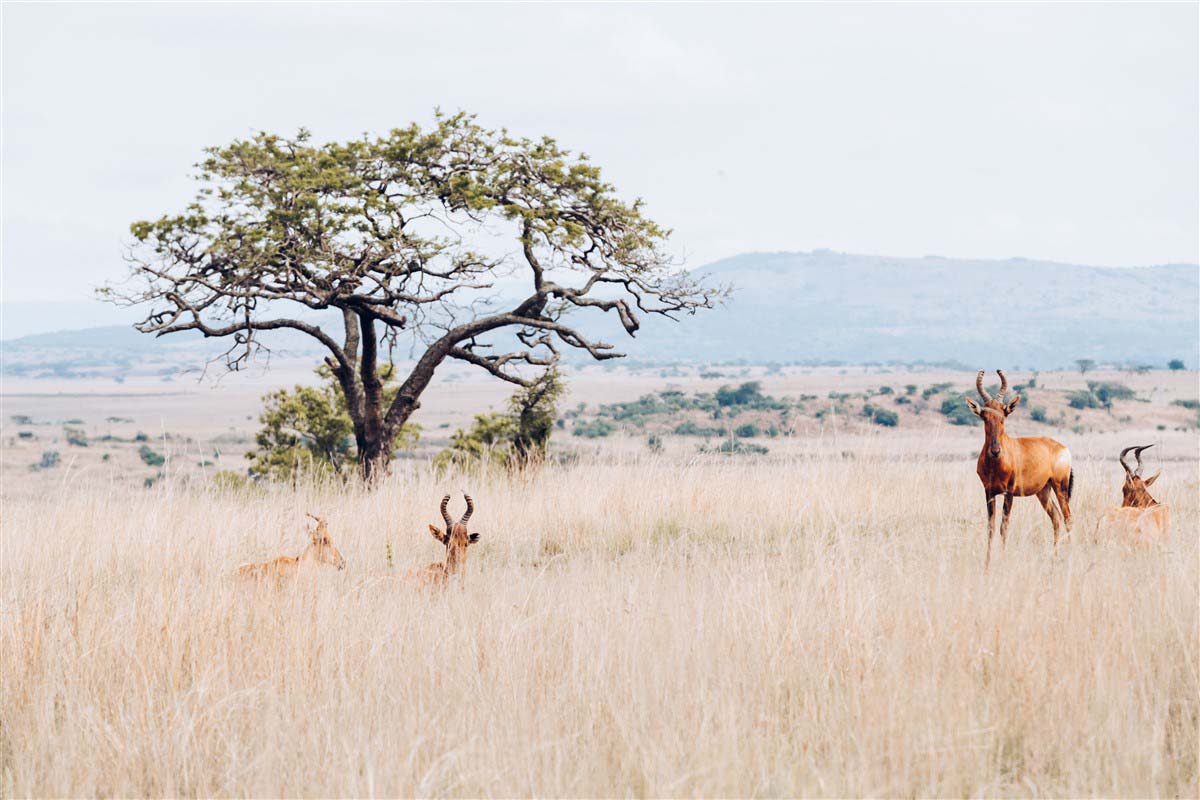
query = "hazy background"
{"x": 1056, "y": 132}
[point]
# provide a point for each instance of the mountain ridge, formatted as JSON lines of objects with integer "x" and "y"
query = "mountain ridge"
{"x": 825, "y": 306}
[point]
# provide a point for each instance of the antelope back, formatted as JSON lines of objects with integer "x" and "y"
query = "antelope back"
{"x": 1135, "y": 527}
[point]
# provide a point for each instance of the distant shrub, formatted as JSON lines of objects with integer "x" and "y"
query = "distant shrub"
{"x": 1175, "y": 364}
{"x": 75, "y": 421}
{"x": 76, "y": 437}
{"x": 936, "y": 388}
{"x": 1189, "y": 404}
{"x": 734, "y": 447}
{"x": 956, "y": 412}
{"x": 25, "y": 435}
{"x": 1108, "y": 391}
{"x": 21, "y": 419}
{"x": 886, "y": 390}
{"x": 1082, "y": 399}
{"x": 49, "y": 459}
{"x": 141, "y": 437}
{"x": 593, "y": 429}
{"x": 150, "y": 457}
{"x": 690, "y": 428}
{"x": 888, "y": 419}
{"x": 1037, "y": 414}
{"x": 747, "y": 431}
{"x": 901, "y": 400}
{"x": 910, "y": 388}
{"x": 655, "y": 443}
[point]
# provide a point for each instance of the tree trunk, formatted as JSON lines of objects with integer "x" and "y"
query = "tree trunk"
{"x": 373, "y": 461}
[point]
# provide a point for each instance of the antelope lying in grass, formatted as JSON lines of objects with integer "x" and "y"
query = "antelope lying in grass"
{"x": 456, "y": 538}
{"x": 1019, "y": 467}
{"x": 1141, "y": 519}
{"x": 320, "y": 552}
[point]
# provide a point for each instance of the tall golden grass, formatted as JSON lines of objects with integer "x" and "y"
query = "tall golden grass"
{"x": 642, "y": 627}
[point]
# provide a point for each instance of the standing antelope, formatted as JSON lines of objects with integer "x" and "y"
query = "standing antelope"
{"x": 320, "y": 551}
{"x": 1141, "y": 519}
{"x": 456, "y": 538}
{"x": 1019, "y": 467}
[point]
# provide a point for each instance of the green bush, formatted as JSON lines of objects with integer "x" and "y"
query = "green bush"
{"x": 76, "y": 437}
{"x": 1107, "y": 391}
{"x": 747, "y": 431}
{"x": 25, "y": 434}
{"x": 49, "y": 459}
{"x": 594, "y": 429}
{"x": 734, "y": 447}
{"x": 1175, "y": 364}
{"x": 888, "y": 419}
{"x": 1037, "y": 414}
{"x": 886, "y": 390}
{"x": 956, "y": 412}
{"x": 690, "y": 428}
{"x": 1082, "y": 399}
{"x": 936, "y": 388}
{"x": 1189, "y": 404}
{"x": 151, "y": 458}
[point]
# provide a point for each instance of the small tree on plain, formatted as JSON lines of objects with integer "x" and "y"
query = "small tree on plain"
{"x": 380, "y": 232}
{"x": 1085, "y": 365}
{"x": 1175, "y": 364}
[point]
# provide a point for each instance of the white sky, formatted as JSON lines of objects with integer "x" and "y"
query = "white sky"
{"x": 1065, "y": 132}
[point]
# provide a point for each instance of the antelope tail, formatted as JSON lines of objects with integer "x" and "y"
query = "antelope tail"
{"x": 1071, "y": 484}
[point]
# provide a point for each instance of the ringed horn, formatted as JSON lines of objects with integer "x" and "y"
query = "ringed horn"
{"x": 1003, "y": 386}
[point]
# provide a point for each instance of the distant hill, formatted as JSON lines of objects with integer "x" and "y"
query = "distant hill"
{"x": 827, "y": 306}
{"x": 816, "y": 307}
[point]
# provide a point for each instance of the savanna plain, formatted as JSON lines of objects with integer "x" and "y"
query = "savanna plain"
{"x": 815, "y": 620}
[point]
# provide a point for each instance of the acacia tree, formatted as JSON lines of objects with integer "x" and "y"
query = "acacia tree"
{"x": 397, "y": 235}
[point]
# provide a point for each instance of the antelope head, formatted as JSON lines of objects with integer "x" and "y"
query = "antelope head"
{"x": 455, "y": 537}
{"x": 320, "y": 548}
{"x": 1134, "y": 493}
{"x": 993, "y": 412}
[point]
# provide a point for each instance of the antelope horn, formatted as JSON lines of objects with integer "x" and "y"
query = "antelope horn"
{"x": 1121, "y": 458}
{"x": 1003, "y": 384}
{"x": 446, "y": 514}
{"x": 1137, "y": 453}
{"x": 310, "y": 515}
{"x": 470, "y": 509}
{"x": 979, "y": 387}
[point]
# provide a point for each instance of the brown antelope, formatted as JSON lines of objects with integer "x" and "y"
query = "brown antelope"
{"x": 1141, "y": 519}
{"x": 1019, "y": 467}
{"x": 320, "y": 552}
{"x": 456, "y": 538}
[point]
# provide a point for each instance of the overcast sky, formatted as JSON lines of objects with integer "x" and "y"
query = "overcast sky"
{"x": 1064, "y": 132}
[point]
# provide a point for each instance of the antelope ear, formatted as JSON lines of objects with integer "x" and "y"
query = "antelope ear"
{"x": 1012, "y": 405}
{"x": 437, "y": 533}
{"x": 474, "y": 537}
{"x": 971, "y": 404}
{"x": 1152, "y": 478}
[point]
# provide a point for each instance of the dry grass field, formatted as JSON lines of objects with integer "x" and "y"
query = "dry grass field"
{"x": 813, "y": 624}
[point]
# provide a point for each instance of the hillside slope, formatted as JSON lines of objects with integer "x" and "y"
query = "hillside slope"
{"x": 827, "y": 306}
{"x": 817, "y": 307}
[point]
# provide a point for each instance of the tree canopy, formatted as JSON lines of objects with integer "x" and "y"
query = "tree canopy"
{"x": 458, "y": 241}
